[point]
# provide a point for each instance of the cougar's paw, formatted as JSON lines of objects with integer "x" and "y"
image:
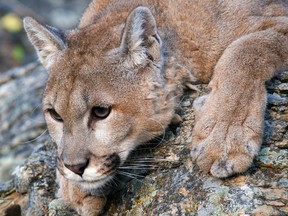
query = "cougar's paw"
{"x": 238, "y": 163}
{"x": 224, "y": 154}
{"x": 224, "y": 149}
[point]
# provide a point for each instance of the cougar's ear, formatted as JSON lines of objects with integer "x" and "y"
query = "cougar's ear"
{"x": 141, "y": 42}
{"x": 48, "y": 41}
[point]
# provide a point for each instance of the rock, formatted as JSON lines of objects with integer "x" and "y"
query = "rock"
{"x": 186, "y": 103}
{"x": 284, "y": 143}
{"x": 171, "y": 184}
{"x": 20, "y": 115}
{"x": 7, "y": 188}
{"x": 36, "y": 177}
{"x": 58, "y": 208}
{"x": 283, "y": 87}
{"x": 283, "y": 76}
{"x": 276, "y": 99}
{"x": 265, "y": 210}
{"x": 273, "y": 157}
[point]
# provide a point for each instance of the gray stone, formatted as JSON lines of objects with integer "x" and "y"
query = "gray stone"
{"x": 58, "y": 208}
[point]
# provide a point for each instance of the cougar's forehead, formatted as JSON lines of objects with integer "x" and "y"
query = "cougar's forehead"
{"x": 75, "y": 88}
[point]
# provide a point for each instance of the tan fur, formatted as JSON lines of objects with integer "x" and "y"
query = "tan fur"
{"x": 137, "y": 60}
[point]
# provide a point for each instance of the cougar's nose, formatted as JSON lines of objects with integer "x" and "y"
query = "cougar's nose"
{"x": 77, "y": 169}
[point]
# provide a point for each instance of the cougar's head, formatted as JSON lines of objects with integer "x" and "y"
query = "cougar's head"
{"x": 106, "y": 93}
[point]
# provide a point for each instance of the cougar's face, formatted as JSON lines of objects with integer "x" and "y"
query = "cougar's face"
{"x": 97, "y": 114}
{"x": 106, "y": 92}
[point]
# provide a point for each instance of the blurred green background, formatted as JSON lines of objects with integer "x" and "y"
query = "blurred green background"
{"x": 15, "y": 49}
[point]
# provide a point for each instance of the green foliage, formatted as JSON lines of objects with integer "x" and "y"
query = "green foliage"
{"x": 18, "y": 53}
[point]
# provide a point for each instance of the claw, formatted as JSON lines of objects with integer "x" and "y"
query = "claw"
{"x": 192, "y": 87}
{"x": 176, "y": 119}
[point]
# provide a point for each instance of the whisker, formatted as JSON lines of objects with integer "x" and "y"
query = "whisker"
{"x": 143, "y": 158}
{"x": 101, "y": 190}
{"x": 113, "y": 182}
{"x": 32, "y": 119}
{"x": 137, "y": 168}
{"x": 134, "y": 178}
{"x": 139, "y": 160}
{"x": 132, "y": 174}
{"x": 149, "y": 160}
{"x": 30, "y": 141}
{"x": 157, "y": 138}
{"x": 151, "y": 146}
{"x": 138, "y": 165}
{"x": 164, "y": 160}
{"x": 161, "y": 125}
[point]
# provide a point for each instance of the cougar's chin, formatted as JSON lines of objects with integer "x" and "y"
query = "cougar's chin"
{"x": 88, "y": 183}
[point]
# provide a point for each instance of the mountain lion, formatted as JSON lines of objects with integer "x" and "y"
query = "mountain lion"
{"x": 114, "y": 83}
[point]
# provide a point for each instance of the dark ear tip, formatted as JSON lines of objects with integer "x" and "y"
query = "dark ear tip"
{"x": 143, "y": 10}
{"x": 142, "y": 13}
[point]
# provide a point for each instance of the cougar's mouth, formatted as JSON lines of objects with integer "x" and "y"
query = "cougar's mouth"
{"x": 95, "y": 173}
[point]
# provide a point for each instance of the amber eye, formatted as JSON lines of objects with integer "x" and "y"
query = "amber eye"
{"x": 55, "y": 115}
{"x": 101, "y": 111}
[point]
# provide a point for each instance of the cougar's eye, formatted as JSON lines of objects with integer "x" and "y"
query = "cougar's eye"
{"x": 101, "y": 111}
{"x": 55, "y": 115}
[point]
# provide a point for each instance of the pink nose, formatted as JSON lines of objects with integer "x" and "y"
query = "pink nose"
{"x": 77, "y": 169}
